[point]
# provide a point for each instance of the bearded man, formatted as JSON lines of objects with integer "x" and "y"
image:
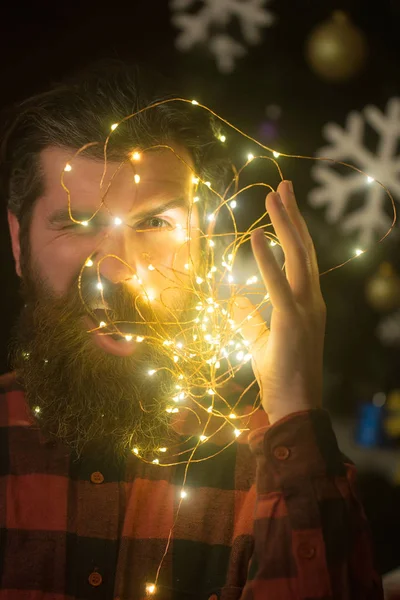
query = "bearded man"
{"x": 103, "y": 264}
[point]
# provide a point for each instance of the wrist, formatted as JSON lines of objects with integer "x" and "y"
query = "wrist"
{"x": 284, "y": 416}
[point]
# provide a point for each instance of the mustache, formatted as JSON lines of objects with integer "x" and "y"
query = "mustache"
{"x": 117, "y": 301}
{"x": 121, "y": 308}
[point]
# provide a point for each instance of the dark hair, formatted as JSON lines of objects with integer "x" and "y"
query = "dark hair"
{"x": 81, "y": 109}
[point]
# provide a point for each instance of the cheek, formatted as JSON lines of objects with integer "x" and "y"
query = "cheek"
{"x": 172, "y": 256}
{"x": 58, "y": 259}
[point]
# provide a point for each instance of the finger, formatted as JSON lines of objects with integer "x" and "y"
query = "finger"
{"x": 251, "y": 324}
{"x": 274, "y": 279}
{"x": 297, "y": 262}
{"x": 285, "y": 189}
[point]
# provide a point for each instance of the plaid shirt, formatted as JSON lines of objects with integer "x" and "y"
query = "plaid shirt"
{"x": 272, "y": 517}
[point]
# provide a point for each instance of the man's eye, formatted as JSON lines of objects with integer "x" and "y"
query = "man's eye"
{"x": 155, "y": 223}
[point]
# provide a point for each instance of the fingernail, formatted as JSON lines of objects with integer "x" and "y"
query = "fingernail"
{"x": 290, "y": 185}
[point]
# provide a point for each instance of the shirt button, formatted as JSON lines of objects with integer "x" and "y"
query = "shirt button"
{"x": 97, "y": 477}
{"x": 95, "y": 579}
{"x": 281, "y": 452}
{"x": 306, "y": 551}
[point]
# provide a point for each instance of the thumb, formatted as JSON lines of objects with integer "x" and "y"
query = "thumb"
{"x": 251, "y": 324}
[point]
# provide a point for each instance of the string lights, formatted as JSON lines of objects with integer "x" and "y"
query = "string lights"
{"x": 210, "y": 349}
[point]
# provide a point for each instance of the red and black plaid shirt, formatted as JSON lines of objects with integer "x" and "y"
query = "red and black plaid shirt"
{"x": 273, "y": 519}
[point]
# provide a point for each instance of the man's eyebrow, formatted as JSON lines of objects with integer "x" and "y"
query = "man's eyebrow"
{"x": 62, "y": 215}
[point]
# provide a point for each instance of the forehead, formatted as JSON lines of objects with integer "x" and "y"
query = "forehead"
{"x": 162, "y": 175}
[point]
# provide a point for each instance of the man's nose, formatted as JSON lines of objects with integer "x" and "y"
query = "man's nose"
{"x": 117, "y": 255}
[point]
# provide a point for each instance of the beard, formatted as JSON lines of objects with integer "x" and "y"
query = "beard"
{"x": 81, "y": 395}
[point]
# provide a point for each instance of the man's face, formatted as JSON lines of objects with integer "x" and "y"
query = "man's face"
{"x": 152, "y": 218}
{"x": 80, "y": 371}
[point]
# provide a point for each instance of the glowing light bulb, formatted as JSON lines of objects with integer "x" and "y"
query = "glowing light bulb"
{"x": 232, "y": 416}
{"x": 176, "y": 358}
{"x": 150, "y": 588}
{"x": 149, "y": 295}
{"x": 151, "y": 372}
{"x": 139, "y": 338}
{"x": 117, "y": 221}
{"x": 233, "y": 204}
{"x": 136, "y": 177}
{"x": 222, "y": 138}
{"x": 370, "y": 179}
{"x": 102, "y": 324}
{"x": 128, "y": 337}
{"x": 162, "y": 449}
{"x": 230, "y": 278}
{"x": 89, "y": 263}
{"x": 207, "y": 183}
{"x": 114, "y": 126}
{"x": 67, "y": 167}
{"x": 195, "y": 180}
{"x": 195, "y": 102}
{"x": 209, "y": 409}
{"x": 251, "y": 280}
{"x": 156, "y": 461}
{"x": 199, "y": 280}
{"x": 187, "y": 266}
{"x": 136, "y": 156}
{"x": 272, "y": 243}
{"x": 276, "y": 154}
{"x": 85, "y": 223}
{"x": 359, "y": 252}
{"x": 183, "y": 494}
{"x": 135, "y": 450}
{"x": 240, "y": 355}
{"x": 151, "y": 268}
{"x": 37, "y": 409}
{"x": 211, "y": 243}
{"x": 250, "y": 156}
{"x": 203, "y": 438}
{"x": 237, "y": 432}
{"x": 211, "y": 217}
{"x": 211, "y": 392}
{"x": 99, "y": 285}
{"x": 266, "y": 297}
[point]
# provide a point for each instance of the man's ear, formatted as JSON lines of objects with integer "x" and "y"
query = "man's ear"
{"x": 13, "y": 225}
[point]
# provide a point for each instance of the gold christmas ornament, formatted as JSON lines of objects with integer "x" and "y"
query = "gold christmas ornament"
{"x": 336, "y": 50}
{"x": 383, "y": 289}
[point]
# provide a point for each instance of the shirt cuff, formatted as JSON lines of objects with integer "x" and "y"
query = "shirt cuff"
{"x": 300, "y": 446}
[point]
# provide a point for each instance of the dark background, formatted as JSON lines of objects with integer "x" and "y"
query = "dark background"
{"x": 42, "y": 41}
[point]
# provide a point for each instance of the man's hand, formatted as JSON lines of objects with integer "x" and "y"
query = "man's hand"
{"x": 287, "y": 358}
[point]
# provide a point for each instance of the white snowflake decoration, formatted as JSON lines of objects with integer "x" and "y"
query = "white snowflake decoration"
{"x": 198, "y": 27}
{"x": 389, "y": 330}
{"x": 346, "y": 145}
